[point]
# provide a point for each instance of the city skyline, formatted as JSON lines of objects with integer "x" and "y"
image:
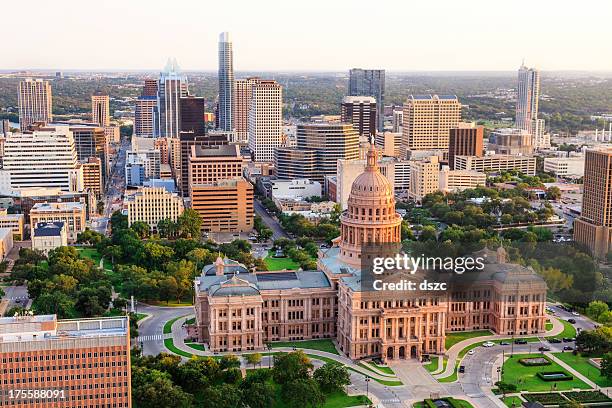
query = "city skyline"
{"x": 289, "y": 46}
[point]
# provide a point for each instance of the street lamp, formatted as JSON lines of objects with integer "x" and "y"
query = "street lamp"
{"x": 367, "y": 381}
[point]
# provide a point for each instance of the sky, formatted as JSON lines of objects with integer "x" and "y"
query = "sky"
{"x": 311, "y": 35}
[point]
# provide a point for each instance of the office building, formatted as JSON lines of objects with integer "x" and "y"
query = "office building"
{"x": 113, "y": 133}
{"x": 151, "y": 205}
{"x": 87, "y": 359}
{"x": 265, "y": 123}
{"x": 569, "y": 167}
{"x": 35, "y": 102}
{"x": 427, "y": 122}
{"x": 43, "y": 158}
{"x": 496, "y": 163}
{"x": 100, "y": 109}
{"x": 465, "y": 140}
{"x": 6, "y": 242}
{"x": 92, "y": 141}
{"x": 370, "y": 82}
{"x": 424, "y": 178}
{"x": 527, "y": 96}
{"x": 225, "y": 206}
{"x": 192, "y": 115}
{"x": 594, "y": 227}
{"x": 541, "y": 139}
{"x": 186, "y": 141}
{"x": 515, "y": 142}
{"x": 92, "y": 176}
{"x": 360, "y": 111}
{"x": 226, "y": 83}
{"x": 452, "y": 181}
{"x": 398, "y": 120}
{"x": 73, "y": 215}
{"x": 141, "y": 165}
{"x": 47, "y": 236}
{"x": 13, "y": 221}
{"x": 144, "y": 125}
{"x": 291, "y": 163}
{"x": 172, "y": 87}
{"x": 389, "y": 143}
{"x": 299, "y": 189}
{"x": 208, "y": 165}
{"x": 150, "y": 88}
{"x": 243, "y": 91}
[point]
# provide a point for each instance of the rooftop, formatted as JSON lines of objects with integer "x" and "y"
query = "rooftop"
{"x": 58, "y": 206}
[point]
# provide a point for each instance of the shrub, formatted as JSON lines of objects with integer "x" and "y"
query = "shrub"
{"x": 534, "y": 362}
{"x": 552, "y": 398}
{"x": 554, "y": 376}
{"x": 587, "y": 396}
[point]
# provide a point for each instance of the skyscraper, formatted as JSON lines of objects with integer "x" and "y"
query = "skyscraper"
{"x": 35, "y": 102}
{"x": 594, "y": 227}
{"x": 144, "y": 116}
{"x": 172, "y": 87}
{"x": 192, "y": 115}
{"x": 150, "y": 87}
{"x": 265, "y": 119}
{"x": 370, "y": 82}
{"x": 100, "y": 109}
{"x": 226, "y": 82}
{"x": 465, "y": 140}
{"x": 243, "y": 91}
{"x": 361, "y": 112}
{"x": 527, "y": 95}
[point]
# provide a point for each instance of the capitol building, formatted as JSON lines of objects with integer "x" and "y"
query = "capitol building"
{"x": 237, "y": 309}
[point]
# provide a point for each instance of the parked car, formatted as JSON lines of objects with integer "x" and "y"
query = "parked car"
{"x": 555, "y": 340}
{"x": 462, "y": 369}
{"x": 572, "y": 321}
{"x": 568, "y": 339}
{"x": 575, "y": 313}
{"x": 567, "y": 348}
{"x": 520, "y": 341}
{"x": 472, "y": 351}
{"x": 504, "y": 343}
{"x": 488, "y": 344}
{"x": 544, "y": 348}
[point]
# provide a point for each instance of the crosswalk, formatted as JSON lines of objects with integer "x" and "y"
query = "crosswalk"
{"x": 152, "y": 337}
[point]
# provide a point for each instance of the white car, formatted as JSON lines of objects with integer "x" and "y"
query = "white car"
{"x": 488, "y": 344}
{"x": 576, "y": 313}
{"x": 472, "y": 351}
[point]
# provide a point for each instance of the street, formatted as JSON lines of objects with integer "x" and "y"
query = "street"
{"x": 277, "y": 230}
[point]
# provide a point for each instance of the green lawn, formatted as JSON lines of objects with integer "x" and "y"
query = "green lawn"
{"x": 94, "y": 255}
{"x": 513, "y": 402}
{"x": 526, "y": 378}
{"x": 196, "y": 346}
{"x": 453, "y": 338}
{"x": 170, "y": 346}
{"x": 168, "y": 325}
{"x": 317, "y": 344}
{"x": 548, "y": 326}
{"x": 278, "y": 264}
{"x": 190, "y": 321}
{"x": 432, "y": 365}
{"x": 337, "y": 399}
{"x": 582, "y": 365}
{"x": 568, "y": 330}
{"x": 456, "y": 403}
{"x": 384, "y": 369}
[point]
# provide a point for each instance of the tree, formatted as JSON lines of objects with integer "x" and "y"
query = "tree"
{"x": 253, "y": 358}
{"x": 153, "y": 389}
{"x": 223, "y": 396}
{"x": 113, "y": 252}
{"x": 229, "y": 361}
{"x": 141, "y": 228}
{"x": 428, "y": 233}
{"x": 505, "y": 388}
{"x": 553, "y": 193}
{"x": 556, "y": 280}
{"x": 291, "y": 366}
{"x": 190, "y": 224}
{"x": 54, "y": 303}
{"x": 596, "y": 309}
{"x": 118, "y": 221}
{"x": 258, "y": 394}
{"x": 303, "y": 392}
{"x": 332, "y": 377}
{"x": 167, "y": 228}
{"x": 595, "y": 341}
{"x": 606, "y": 366}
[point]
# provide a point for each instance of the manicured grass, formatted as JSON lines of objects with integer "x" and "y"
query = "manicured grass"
{"x": 170, "y": 346}
{"x": 278, "y": 264}
{"x": 338, "y": 399}
{"x": 450, "y": 378}
{"x": 460, "y": 403}
{"x": 568, "y": 331}
{"x": 389, "y": 383}
{"x": 432, "y": 365}
{"x": 196, "y": 346}
{"x": 94, "y": 255}
{"x": 581, "y": 364}
{"x": 384, "y": 369}
{"x": 183, "y": 303}
{"x": 453, "y": 338}
{"x": 526, "y": 378}
{"x": 375, "y": 371}
{"x": 190, "y": 321}
{"x": 321, "y": 344}
{"x": 513, "y": 401}
{"x": 548, "y": 326}
{"x": 168, "y": 325}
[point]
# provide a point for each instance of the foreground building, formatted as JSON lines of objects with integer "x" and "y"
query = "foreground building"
{"x": 36, "y": 352}
{"x": 225, "y": 206}
{"x": 151, "y": 205}
{"x": 73, "y": 215}
{"x": 237, "y": 309}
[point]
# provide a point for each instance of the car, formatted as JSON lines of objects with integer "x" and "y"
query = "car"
{"x": 462, "y": 369}
{"x": 472, "y": 351}
{"x": 568, "y": 339}
{"x": 18, "y": 301}
{"x": 567, "y": 348}
{"x": 520, "y": 341}
{"x": 504, "y": 343}
{"x": 544, "y": 348}
{"x": 488, "y": 344}
{"x": 575, "y": 313}
{"x": 555, "y": 340}
{"x": 572, "y": 321}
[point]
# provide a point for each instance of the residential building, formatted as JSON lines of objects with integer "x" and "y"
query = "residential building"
{"x": 495, "y": 163}
{"x": 192, "y": 115}
{"x": 144, "y": 116}
{"x": 187, "y": 140}
{"x": 360, "y": 111}
{"x": 569, "y": 167}
{"x": 43, "y": 158}
{"x": 265, "y": 119}
{"x": 6, "y": 242}
{"x": 389, "y": 143}
{"x": 370, "y": 82}
{"x": 427, "y": 122}
{"x": 35, "y": 102}
{"x": 14, "y": 222}
{"x": 49, "y": 235}
{"x": 541, "y": 139}
{"x": 243, "y": 91}
{"x": 226, "y": 82}
{"x": 92, "y": 176}
{"x": 465, "y": 140}
{"x": 594, "y": 227}
{"x": 509, "y": 141}
{"x": 36, "y": 350}
{"x": 225, "y": 206}
{"x": 296, "y": 189}
{"x": 73, "y": 215}
{"x": 424, "y": 178}
{"x": 452, "y": 181}
{"x": 527, "y": 96}
{"x": 151, "y": 205}
{"x": 100, "y": 109}
{"x": 172, "y": 87}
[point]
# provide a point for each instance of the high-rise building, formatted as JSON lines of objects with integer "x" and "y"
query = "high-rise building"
{"x": 150, "y": 87}
{"x": 424, "y": 178}
{"x": 265, "y": 124}
{"x": 144, "y": 123}
{"x": 465, "y": 140}
{"x": 86, "y": 360}
{"x": 171, "y": 88}
{"x": 225, "y": 206}
{"x": 497, "y": 163}
{"x": 91, "y": 141}
{"x": 35, "y": 102}
{"x": 226, "y": 82}
{"x": 100, "y": 109}
{"x": 398, "y": 119}
{"x": 361, "y": 112}
{"x": 370, "y": 82}
{"x": 92, "y": 175}
{"x": 389, "y": 143}
{"x": 141, "y": 165}
{"x": 151, "y": 205}
{"x": 243, "y": 91}
{"x": 541, "y": 139}
{"x": 427, "y": 122}
{"x": 515, "y": 142}
{"x": 527, "y": 95}
{"x": 192, "y": 115}
{"x": 186, "y": 141}
{"x": 208, "y": 165}
{"x": 594, "y": 227}
{"x": 45, "y": 157}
